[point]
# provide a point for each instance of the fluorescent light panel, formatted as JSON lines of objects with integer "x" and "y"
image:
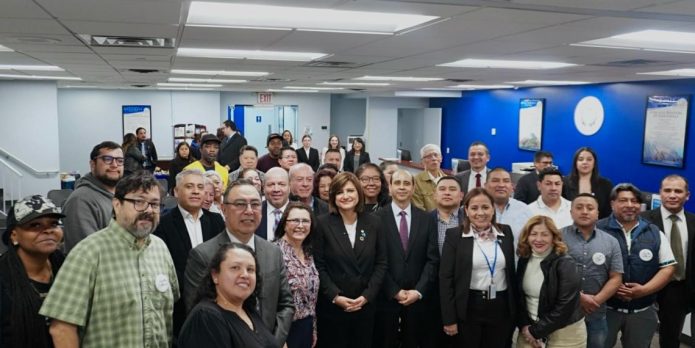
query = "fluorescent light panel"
{"x": 373, "y": 84}
{"x": 39, "y": 77}
{"x": 648, "y": 40}
{"x": 218, "y": 72}
{"x": 505, "y": 64}
{"x": 249, "y": 54}
{"x": 547, "y": 82}
{"x": 202, "y": 13}
{"x": 428, "y": 94}
{"x": 5, "y": 49}
{"x": 293, "y": 90}
{"x": 193, "y": 79}
{"x": 313, "y": 88}
{"x": 398, "y": 78}
{"x": 184, "y": 89}
{"x": 201, "y": 85}
{"x": 31, "y": 67}
{"x": 675, "y": 72}
{"x": 470, "y": 87}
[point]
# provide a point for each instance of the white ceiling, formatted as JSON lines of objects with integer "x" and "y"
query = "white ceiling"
{"x": 45, "y": 32}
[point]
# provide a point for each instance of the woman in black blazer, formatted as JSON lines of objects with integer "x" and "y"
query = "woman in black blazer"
{"x": 350, "y": 256}
{"x": 476, "y": 277}
{"x": 356, "y": 154}
{"x": 584, "y": 178}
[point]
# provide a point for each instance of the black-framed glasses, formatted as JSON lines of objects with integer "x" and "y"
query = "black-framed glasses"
{"x": 109, "y": 159}
{"x": 243, "y": 205}
{"x": 367, "y": 179}
{"x": 297, "y": 222}
{"x": 141, "y": 205}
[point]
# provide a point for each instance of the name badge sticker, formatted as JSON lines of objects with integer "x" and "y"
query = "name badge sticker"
{"x": 646, "y": 255}
{"x": 598, "y": 258}
{"x": 161, "y": 282}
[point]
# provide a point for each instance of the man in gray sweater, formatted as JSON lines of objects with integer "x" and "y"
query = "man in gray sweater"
{"x": 89, "y": 208}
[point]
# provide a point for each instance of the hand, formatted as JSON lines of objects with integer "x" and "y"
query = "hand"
{"x": 637, "y": 290}
{"x": 588, "y": 303}
{"x": 451, "y": 330}
{"x": 410, "y": 297}
{"x": 630, "y": 291}
{"x": 526, "y": 334}
{"x": 356, "y": 304}
{"x": 342, "y": 302}
{"x": 400, "y": 295}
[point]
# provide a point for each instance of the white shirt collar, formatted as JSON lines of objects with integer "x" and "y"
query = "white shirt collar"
{"x": 189, "y": 216}
{"x": 251, "y": 244}
{"x": 397, "y": 210}
{"x": 665, "y": 213}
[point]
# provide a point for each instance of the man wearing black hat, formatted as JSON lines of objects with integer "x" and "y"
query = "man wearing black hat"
{"x": 209, "y": 147}
{"x": 270, "y": 160}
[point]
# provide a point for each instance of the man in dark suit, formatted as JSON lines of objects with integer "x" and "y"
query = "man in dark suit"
{"x": 406, "y": 298}
{"x": 147, "y": 148}
{"x": 276, "y": 189}
{"x": 478, "y": 157}
{"x": 676, "y": 299}
{"x": 302, "y": 188}
{"x": 185, "y": 227}
{"x": 307, "y": 154}
{"x": 242, "y": 211}
{"x": 526, "y": 189}
{"x": 231, "y": 146}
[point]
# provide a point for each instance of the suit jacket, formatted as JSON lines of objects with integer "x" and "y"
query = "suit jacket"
{"x": 344, "y": 270}
{"x": 349, "y": 161}
{"x": 262, "y": 230}
{"x": 229, "y": 151}
{"x": 151, "y": 154}
{"x": 172, "y": 230}
{"x": 455, "y": 273}
{"x": 312, "y": 160}
{"x": 654, "y": 216}
{"x": 601, "y": 189}
{"x": 464, "y": 176}
{"x": 526, "y": 189}
{"x": 275, "y": 300}
{"x": 413, "y": 269}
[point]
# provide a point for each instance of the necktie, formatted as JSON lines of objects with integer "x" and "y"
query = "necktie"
{"x": 403, "y": 230}
{"x": 278, "y": 215}
{"x": 477, "y": 180}
{"x": 677, "y": 248}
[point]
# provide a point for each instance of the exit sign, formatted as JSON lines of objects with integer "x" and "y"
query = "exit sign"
{"x": 265, "y": 97}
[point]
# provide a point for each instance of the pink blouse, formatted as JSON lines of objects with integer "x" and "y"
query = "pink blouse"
{"x": 303, "y": 279}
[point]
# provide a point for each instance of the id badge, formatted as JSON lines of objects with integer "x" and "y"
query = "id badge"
{"x": 492, "y": 292}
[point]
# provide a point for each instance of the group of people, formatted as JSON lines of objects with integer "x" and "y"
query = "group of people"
{"x": 281, "y": 252}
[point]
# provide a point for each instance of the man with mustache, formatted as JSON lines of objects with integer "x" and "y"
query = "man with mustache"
{"x": 551, "y": 203}
{"x": 209, "y": 147}
{"x": 118, "y": 286}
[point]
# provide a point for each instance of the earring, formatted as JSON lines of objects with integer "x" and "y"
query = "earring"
{"x": 15, "y": 243}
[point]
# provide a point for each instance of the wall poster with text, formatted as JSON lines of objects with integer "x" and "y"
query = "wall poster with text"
{"x": 665, "y": 126}
{"x": 531, "y": 124}
{"x": 136, "y": 116}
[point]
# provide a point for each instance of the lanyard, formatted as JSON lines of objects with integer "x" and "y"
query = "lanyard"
{"x": 487, "y": 260}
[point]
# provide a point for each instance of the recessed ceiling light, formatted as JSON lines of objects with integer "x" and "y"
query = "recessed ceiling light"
{"x": 398, "y": 78}
{"x": 547, "y": 82}
{"x": 675, "y": 72}
{"x": 184, "y": 89}
{"x": 505, "y": 64}
{"x": 249, "y": 54}
{"x": 39, "y": 77}
{"x": 31, "y": 67}
{"x": 481, "y": 86}
{"x": 5, "y": 49}
{"x": 202, "y": 85}
{"x": 314, "y": 88}
{"x": 429, "y": 94}
{"x": 292, "y": 91}
{"x": 251, "y": 16}
{"x": 218, "y": 72}
{"x": 648, "y": 40}
{"x": 356, "y": 83}
{"x": 193, "y": 79}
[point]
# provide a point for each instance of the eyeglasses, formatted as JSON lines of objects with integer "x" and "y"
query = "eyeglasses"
{"x": 243, "y": 205}
{"x": 141, "y": 205}
{"x": 110, "y": 159}
{"x": 370, "y": 179}
{"x": 298, "y": 222}
{"x": 307, "y": 180}
{"x": 433, "y": 155}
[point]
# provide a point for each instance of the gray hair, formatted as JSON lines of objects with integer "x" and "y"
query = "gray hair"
{"x": 403, "y": 171}
{"x": 429, "y": 148}
{"x": 182, "y": 174}
{"x": 211, "y": 174}
{"x": 299, "y": 166}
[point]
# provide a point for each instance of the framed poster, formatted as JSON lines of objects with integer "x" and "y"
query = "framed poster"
{"x": 665, "y": 125}
{"x": 531, "y": 124}
{"x": 136, "y": 116}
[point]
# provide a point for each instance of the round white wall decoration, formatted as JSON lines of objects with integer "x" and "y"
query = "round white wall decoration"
{"x": 588, "y": 115}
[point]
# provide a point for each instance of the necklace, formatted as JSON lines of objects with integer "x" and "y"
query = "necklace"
{"x": 42, "y": 295}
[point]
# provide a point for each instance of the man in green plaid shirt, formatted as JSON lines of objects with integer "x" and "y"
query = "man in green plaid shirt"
{"x": 117, "y": 287}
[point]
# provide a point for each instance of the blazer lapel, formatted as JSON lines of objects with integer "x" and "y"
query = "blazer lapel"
{"x": 339, "y": 233}
{"x": 417, "y": 226}
{"x": 180, "y": 228}
{"x": 362, "y": 235}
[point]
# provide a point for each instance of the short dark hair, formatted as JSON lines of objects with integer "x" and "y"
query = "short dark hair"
{"x": 306, "y": 136}
{"x": 140, "y": 180}
{"x": 321, "y": 173}
{"x": 230, "y": 124}
{"x": 549, "y": 171}
{"x": 675, "y": 177}
{"x": 479, "y": 143}
{"x": 238, "y": 182}
{"x": 538, "y": 156}
{"x": 287, "y": 148}
{"x": 139, "y": 129}
{"x": 497, "y": 169}
{"x": 626, "y": 186}
{"x": 248, "y": 148}
{"x": 585, "y": 194}
{"x": 109, "y": 145}
{"x": 358, "y": 140}
{"x": 329, "y": 166}
{"x": 450, "y": 177}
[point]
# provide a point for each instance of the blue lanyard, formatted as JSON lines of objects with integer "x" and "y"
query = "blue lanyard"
{"x": 494, "y": 261}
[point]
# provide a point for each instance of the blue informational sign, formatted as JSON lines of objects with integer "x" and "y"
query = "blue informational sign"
{"x": 258, "y": 119}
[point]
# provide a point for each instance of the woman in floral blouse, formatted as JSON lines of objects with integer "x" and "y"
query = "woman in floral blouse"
{"x": 293, "y": 236}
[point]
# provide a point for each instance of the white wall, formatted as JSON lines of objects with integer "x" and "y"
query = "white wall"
{"x": 314, "y": 111}
{"x": 29, "y": 131}
{"x": 348, "y": 117}
{"x": 382, "y": 123}
{"x": 88, "y": 117}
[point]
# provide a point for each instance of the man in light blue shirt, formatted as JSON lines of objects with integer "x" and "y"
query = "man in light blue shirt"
{"x": 508, "y": 210}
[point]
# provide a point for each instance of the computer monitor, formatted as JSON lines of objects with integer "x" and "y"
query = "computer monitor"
{"x": 404, "y": 155}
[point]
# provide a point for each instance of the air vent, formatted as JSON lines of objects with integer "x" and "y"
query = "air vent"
{"x": 270, "y": 80}
{"x": 140, "y": 86}
{"x": 633, "y": 62}
{"x": 127, "y": 41}
{"x": 143, "y": 71}
{"x": 458, "y": 80}
{"x": 329, "y": 64}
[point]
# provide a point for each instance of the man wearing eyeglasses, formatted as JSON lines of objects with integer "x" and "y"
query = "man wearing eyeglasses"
{"x": 118, "y": 286}
{"x": 302, "y": 188}
{"x": 526, "y": 189}
{"x": 242, "y": 211}
{"x": 89, "y": 208}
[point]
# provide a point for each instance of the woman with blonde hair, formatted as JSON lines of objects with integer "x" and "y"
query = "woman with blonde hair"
{"x": 549, "y": 286}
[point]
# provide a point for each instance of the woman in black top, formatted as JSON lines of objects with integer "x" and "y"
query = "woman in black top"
{"x": 584, "y": 178}
{"x": 133, "y": 156}
{"x": 182, "y": 159}
{"x": 356, "y": 156}
{"x": 374, "y": 185}
{"x": 225, "y": 314}
{"x": 27, "y": 271}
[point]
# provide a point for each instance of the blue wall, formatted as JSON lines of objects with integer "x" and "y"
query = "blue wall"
{"x": 618, "y": 142}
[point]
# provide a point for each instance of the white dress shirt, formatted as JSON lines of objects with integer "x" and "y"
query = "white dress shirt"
{"x": 682, "y": 227}
{"x": 480, "y": 272}
{"x": 195, "y": 230}
{"x": 562, "y": 217}
{"x": 397, "y": 215}
{"x": 270, "y": 220}
{"x": 251, "y": 244}
{"x": 471, "y": 179}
